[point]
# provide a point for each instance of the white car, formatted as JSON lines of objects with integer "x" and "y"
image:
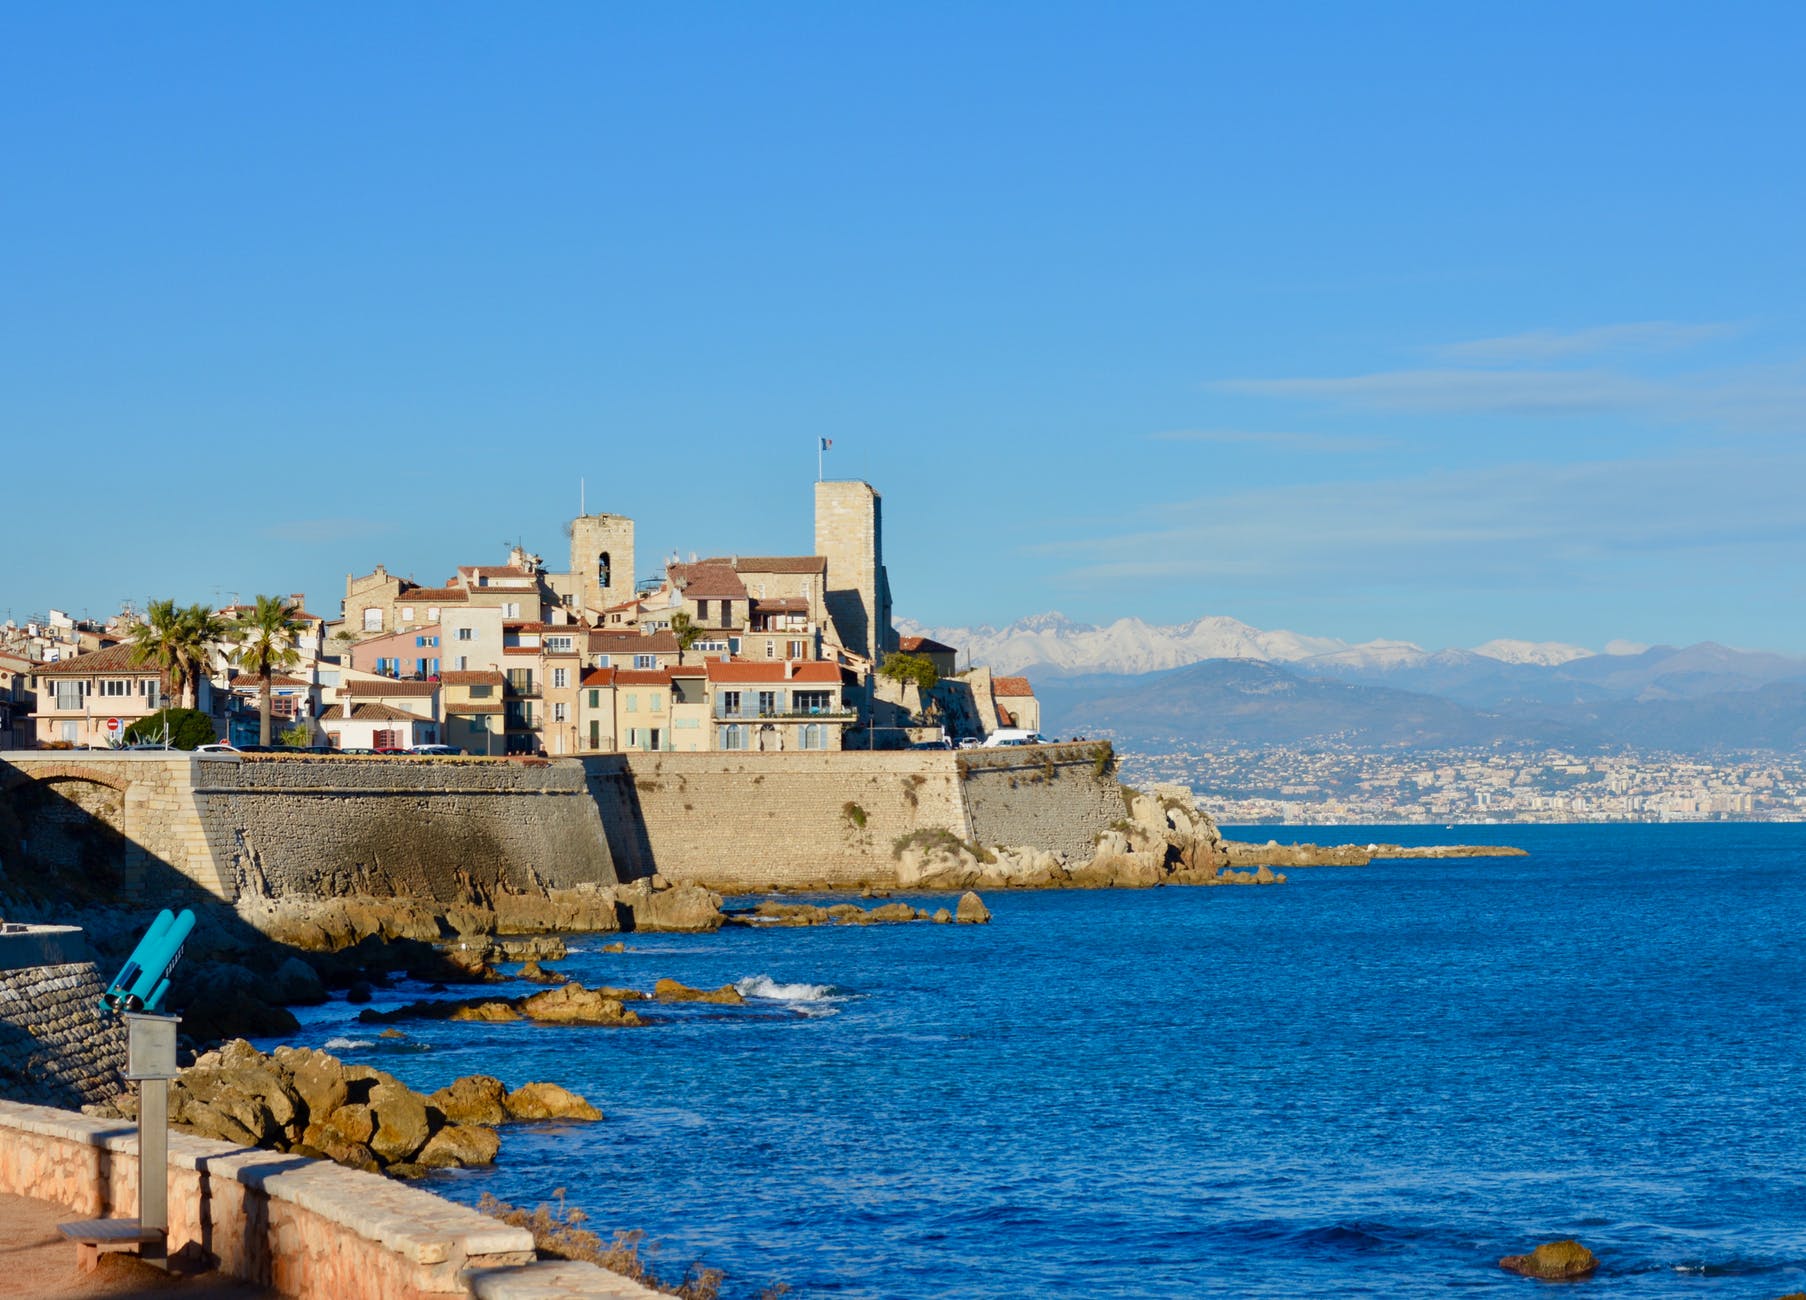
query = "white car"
{"x": 1012, "y": 736}
{"x": 218, "y": 747}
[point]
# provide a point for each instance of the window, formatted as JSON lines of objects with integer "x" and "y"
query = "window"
{"x": 730, "y": 704}
{"x": 798, "y": 650}
{"x": 563, "y": 643}
{"x": 645, "y": 661}
{"x": 733, "y": 645}
{"x": 481, "y": 692}
{"x": 703, "y": 647}
{"x": 462, "y": 663}
{"x": 815, "y": 736}
{"x": 658, "y": 702}
{"x": 633, "y": 702}
{"x": 520, "y": 679}
{"x": 115, "y": 686}
{"x": 69, "y": 695}
{"x": 733, "y": 737}
{"x": 561, "y": 677}
{"x": 601, "y": 661}
{"x": 373, "y": 619}
{"x": 812, "y": 701}
{"x": 702, "y": 611}
{"x": 558, "y": 713}
{"x": 407, "y": 613}
{"x": 465, "y": 633}
{"x": 595, "y": 734}
{"x": 595, "y": 702}
{"x": 768, "y": 703}
{"x": 432, "y": 613}
{"x": 771, "y": 648}
{"x": 511, "y": 609}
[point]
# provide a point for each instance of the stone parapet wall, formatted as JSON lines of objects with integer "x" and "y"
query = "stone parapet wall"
{"x": 55, "y": 1045}
{"x": 448, "y": 832}
{"x": 306, "y": 1228}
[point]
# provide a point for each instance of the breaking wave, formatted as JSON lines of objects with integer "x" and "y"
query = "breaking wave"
{"x": 346, "y": 1044}
{"x": 805, "y": 999}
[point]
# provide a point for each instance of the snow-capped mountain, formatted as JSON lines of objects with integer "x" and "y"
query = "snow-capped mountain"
{"x": 1131, "y": 645}
{"x": 1549, "y": 654}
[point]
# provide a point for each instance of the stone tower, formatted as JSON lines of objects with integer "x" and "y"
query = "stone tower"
{"x": 849, "y": 533}
{"x": 602, "y": 560}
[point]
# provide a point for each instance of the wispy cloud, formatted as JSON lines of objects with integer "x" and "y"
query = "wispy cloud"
{"x": 1313, "y": 442}
{"x": 1520, "y": 526}
{"x": 1553, "y": 345}
{"x": 1545, "y": 391}
{"x": 310, "y": 532}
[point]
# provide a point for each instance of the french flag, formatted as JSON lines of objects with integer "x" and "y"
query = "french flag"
{"x": 826, "y": 443}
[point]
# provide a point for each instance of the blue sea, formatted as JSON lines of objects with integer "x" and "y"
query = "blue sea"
{"x": 1371, "y": 1081}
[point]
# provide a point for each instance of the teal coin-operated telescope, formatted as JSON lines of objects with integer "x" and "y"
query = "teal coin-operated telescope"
{"x": 143, "y": 981}
{"x": 136, "y": 995}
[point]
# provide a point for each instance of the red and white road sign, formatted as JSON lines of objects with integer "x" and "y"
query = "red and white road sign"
{"x": 114, "y": 726}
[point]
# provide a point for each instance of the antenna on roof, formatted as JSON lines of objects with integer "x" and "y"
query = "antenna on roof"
{"x": 582, "y": 499}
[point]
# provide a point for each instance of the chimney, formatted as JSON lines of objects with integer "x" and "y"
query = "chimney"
{"x": 789, "y": 669}
{"x": 346, "y": 700}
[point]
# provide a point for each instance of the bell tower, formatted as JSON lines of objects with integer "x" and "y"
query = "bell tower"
{"x": 602, "y": 560}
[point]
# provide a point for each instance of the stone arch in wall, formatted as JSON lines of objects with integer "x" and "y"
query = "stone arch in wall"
{"x": 63, "y": 824}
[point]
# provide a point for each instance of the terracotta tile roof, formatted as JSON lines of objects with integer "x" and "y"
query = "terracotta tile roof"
{"x": 389, "y": 688}
{"x": 373, "y": 713}
{"x": 441, "y": 595}
{"x": 708, "y": 580}
{"x": 468, "y": 706}
{"x": 632, "y": 643}
{"x": 496, "y": 570}
{"x": 1012, "y": 686}
{"x": 780, "y": 605}
{"x": 115, "y": 659}
{"x": 472, "y": 678}
{"x": 813, "y": 672}
{"x": 689, "y": 670}
{"x": 520, "y": 650}
{"x": 642, "y": 677}
{"x": 251, "y": 682}
{"x": 600, "y": 677}
{"x": 917, "y": 645}
{"x": 1003, "y": 717}
{"x": 781, "y": 563}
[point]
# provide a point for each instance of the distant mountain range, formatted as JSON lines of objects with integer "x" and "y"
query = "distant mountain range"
{"x": 1221, "y": 681}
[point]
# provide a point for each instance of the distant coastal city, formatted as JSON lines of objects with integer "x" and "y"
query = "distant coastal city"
{"x": 1330, "y": 786}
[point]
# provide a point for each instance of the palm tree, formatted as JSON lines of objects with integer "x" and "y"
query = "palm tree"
{"x": 266, "y": 642}
{"x": 159, "y": 639}
{"x": 180, "y": 642}
{"x": 686, "y": 632}
{"x": 202, "y": 632}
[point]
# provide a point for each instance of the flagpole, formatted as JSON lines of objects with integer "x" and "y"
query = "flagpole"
{"x": 818, "y": 458}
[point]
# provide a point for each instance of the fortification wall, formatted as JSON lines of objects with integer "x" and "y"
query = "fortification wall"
{"x": 419, "y": 828}
{"x": 306, "y": 1228}
{"x": 749, "y": 821}
{"x": 1055, "y": 797}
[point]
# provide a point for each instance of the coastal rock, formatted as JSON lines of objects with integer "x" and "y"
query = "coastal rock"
{"x": 487, "y": 1012}
{"x": 401, "y": 1122}
{"x": 473, "y": 1099}
{"x": 1265, "y": 876}
{"x": 942, "y": 916}
{"x": 531, "y": 970}
{"x": 391, "y": 1033}
{"x": 295, "y": 983}
{"x": 1553, "y": 1261}
{"x": 572, "y": 1004}
{"x": 616, "y": 946}
{"x": 971, "y": 910}
{"x": 460, "y": 1144}
{"x": 353, "y": 1124}
{"x": 549, "y": 1101}
{"x": 669, "y": 990}
{"x": 683, "y": 908}
{"x": 792, "y": 913}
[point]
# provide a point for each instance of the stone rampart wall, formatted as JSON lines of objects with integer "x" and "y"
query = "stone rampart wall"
{"x": 306, "y": 1228}
{"x": 460, "y": 832}
{"x": 448, "y": 832}
{"x": 1055, "y": 797}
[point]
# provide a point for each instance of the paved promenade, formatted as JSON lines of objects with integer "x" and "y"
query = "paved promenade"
{"x": 36, "y": 1261}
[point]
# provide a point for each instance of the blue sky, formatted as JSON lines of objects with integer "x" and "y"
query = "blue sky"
{"x": 1442, "y": 322}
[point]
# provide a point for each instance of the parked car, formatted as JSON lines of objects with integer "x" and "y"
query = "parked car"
{"x": 1012, "y": 736}
{"x": 355, "y": 752}
{"x": 970, "y": 742}
{"x": 388, "y": 749}
{"x": 435, "y": 749}
{"x": 218, "y": 747}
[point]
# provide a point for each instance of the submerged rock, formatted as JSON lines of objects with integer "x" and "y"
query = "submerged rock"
{"x": 1553, "y": 1261}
